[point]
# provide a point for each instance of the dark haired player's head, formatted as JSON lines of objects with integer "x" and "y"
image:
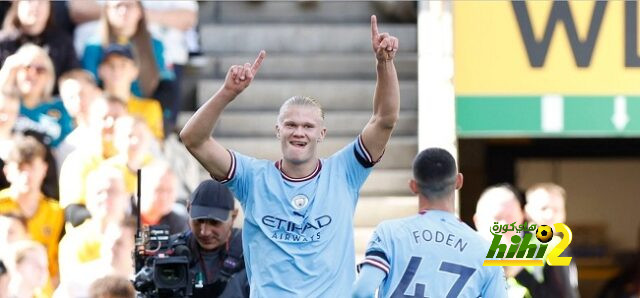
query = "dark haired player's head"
{"x": 435, "y": 175}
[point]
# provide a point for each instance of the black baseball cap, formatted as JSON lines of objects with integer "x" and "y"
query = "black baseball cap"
{"x": 117, "y": 49}
{"x": 211, "y": 200}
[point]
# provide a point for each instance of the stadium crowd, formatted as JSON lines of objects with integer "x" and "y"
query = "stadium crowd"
{"x": 89, "y": 94}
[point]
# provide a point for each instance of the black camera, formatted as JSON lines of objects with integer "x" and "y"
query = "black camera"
{"x": 162, "y": 267}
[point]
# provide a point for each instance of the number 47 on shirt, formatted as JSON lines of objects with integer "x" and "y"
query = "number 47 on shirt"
{"x": 463, "y": 272}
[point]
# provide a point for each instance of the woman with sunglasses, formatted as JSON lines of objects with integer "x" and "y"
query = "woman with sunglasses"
{"x": 32, "y": 75}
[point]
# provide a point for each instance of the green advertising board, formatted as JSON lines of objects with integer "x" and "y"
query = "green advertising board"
{"x": 548, "y": 116}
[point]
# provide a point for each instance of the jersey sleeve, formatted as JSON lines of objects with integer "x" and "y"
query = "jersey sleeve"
{"x": 238, "y": 179}
{"x": 378, "y": 251}
{"x": 496, "y": 285}
{"x": 357, "y": 162}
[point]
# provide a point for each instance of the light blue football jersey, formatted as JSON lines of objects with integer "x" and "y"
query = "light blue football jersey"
{"x": 433, "y": 254}
{"x": 298, "y": 233}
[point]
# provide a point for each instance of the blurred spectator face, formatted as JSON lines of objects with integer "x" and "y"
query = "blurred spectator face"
{"x": 497, "y": 205}
{"x": 123, "y": 17}
{"x": 32, "y": 267}
{"x": 132, "y": 136}
{"x": 9, "y": 109}
{"x": 77, "y": 96}
{"x": 27, "y": 176}
{"x": 106, "y": 195}
{"x": 33, "y": 15}
{"x": 161, "y": 201}
{"x": 33, "y": 77}
{"x": 11, "y": 230}
{"x": 545, "y": 208}
{"x": 120, "y": 242}
{"x": 117, "y": 70}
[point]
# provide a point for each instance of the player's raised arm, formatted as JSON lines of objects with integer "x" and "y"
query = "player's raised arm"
{"x": 197, "y": 133}
{"x": 386, "y": 100}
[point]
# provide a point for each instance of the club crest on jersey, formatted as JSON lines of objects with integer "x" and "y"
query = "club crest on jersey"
{"x": 300, "y": 201}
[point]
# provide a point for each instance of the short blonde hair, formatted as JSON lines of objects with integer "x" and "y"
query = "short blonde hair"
{"x": 300, "y": 100}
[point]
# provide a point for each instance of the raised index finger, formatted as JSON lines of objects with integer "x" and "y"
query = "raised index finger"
{"x": 374, "y": 27}
{"x": 256, "y": 64}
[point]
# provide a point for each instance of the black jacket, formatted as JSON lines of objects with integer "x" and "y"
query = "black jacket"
{"x": 237, "y": 285}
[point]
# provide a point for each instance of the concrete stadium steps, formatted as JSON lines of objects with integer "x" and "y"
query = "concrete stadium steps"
{"x": 305, "y": 66}
{"x": 296, "y": 11}
{"x": 300, "y": 38}
{"x": 372, "y": 210}
{"x": 338, "y": 123}
{"x": 398, "y": 155}
{"x": 332, "y": 94}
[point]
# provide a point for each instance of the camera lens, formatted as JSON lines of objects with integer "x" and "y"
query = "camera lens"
{"x": 171, "y": 275}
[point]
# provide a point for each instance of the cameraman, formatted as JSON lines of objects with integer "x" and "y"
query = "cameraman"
{"x": 217, "y": 264}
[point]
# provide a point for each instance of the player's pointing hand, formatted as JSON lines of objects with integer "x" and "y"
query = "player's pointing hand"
{"x": 384, "y": 45}
{"x": 240, "y": 76}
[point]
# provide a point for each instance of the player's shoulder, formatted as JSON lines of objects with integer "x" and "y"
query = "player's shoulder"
{"x": 397, "y": 223}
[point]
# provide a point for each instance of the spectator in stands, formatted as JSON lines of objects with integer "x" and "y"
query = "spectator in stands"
{"x": 119, "y": 244}
{"x": 169, "y": 21}
{"x": 158, "y": 199}
{"x": 108, "y": 203}
{"x": 117, "y": 71}
{"x": 123, "y": 22}
{"x": 499, "y": 203}
{"x": 115, "y": 259}
{"x": 112, "y": 287}
{"x": 35, "y": 79}
{"x": 545, "y": 205}
{"x": 28, "y": 270}
{"x": 135, "y": 148}
{"x": 13, "y": 228}
{"x": 79, "y": 163}
{"x": 25, "y": 170}
{"x": 31, "y": 22}
{"x": 87, "y": 106}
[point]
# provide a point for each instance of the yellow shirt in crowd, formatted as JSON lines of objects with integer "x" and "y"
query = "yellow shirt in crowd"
{"x": 73, "y": 176}
{"x": 45, "y": 226}
{"x": 150, "y": 110}
{"x": 83, "y": 243}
